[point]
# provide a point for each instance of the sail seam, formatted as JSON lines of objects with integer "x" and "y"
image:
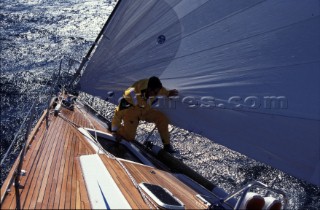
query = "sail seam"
{"x": 225, "y": 44}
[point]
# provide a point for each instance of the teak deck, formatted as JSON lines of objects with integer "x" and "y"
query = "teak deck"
{"x": 54, "y": 179}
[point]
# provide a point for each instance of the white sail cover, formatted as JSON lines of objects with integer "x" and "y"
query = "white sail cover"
{"x": 248, "y": 72}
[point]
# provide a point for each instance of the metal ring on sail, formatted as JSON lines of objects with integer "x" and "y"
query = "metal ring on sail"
{"x": 161, "y": 39}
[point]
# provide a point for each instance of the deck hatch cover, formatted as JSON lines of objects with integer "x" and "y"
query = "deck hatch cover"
{"x": 161, "y": 196}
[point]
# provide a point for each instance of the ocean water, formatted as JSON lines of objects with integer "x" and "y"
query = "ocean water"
{"x": 37, "y": 37}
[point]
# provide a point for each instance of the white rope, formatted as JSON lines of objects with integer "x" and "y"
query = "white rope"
{"x": 135, "y": 183}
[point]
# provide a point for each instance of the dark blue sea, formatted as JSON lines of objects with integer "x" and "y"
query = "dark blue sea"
{"x": 39, "y": 37}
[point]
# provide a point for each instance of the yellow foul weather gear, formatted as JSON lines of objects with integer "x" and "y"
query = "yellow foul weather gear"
{"x": 135, "y": 106}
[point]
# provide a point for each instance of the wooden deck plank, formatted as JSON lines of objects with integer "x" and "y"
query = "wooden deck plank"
{"x": 74, "y": 176}
{"x": 87, "y": 149}
{"x": 11, "y": 198}
{"x": 50, "y": 192}
{"x": 6, "y": 204}
{"x": 31, "y": 155}
{"x": 11, "y": 194}
{"x": 89, "y": 121}
{"x": 35, "y": 168}
{"x": 83, "y": 149}
{"x": 84, "y": 199}
{"x": 35, "y": 171}
{"x": 54, "y": 170}
{"x": 81, "y": 119}
{"x": 39, "y": 127}
{"x": 48, "y": 176}
{"x": 124, "y": 183}
{"x": 67, "y": 196}
{"x": 65, "y": 175}
{"x": 77, "y": 183}
{"x": 70, "y": 195}
{"x": 45, "y": 165}
{"x": 31, "y": 170}
{"x": 54, "y": 203}
{"x": 85, "y": 120}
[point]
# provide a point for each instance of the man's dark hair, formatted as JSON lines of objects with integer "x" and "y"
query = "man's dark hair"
{"x": 154, "y": 83}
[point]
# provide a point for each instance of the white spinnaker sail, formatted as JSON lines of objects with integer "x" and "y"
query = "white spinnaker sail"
{"x": 247, "y": 71}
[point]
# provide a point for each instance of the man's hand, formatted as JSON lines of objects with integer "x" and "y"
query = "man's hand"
{"x": 173, "y": 92}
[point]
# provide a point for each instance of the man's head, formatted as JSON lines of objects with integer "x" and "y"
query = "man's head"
{"x": 154, "y": 86}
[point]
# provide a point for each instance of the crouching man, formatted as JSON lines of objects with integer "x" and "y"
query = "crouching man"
{"x": 136, "y": 105}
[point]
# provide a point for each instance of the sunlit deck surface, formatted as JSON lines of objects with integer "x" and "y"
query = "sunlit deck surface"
{"x": 54, "y": 179}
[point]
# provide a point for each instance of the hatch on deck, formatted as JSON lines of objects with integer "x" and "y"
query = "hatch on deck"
{"x": 161, "y": 196}
{"x": 107, "y": 141}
